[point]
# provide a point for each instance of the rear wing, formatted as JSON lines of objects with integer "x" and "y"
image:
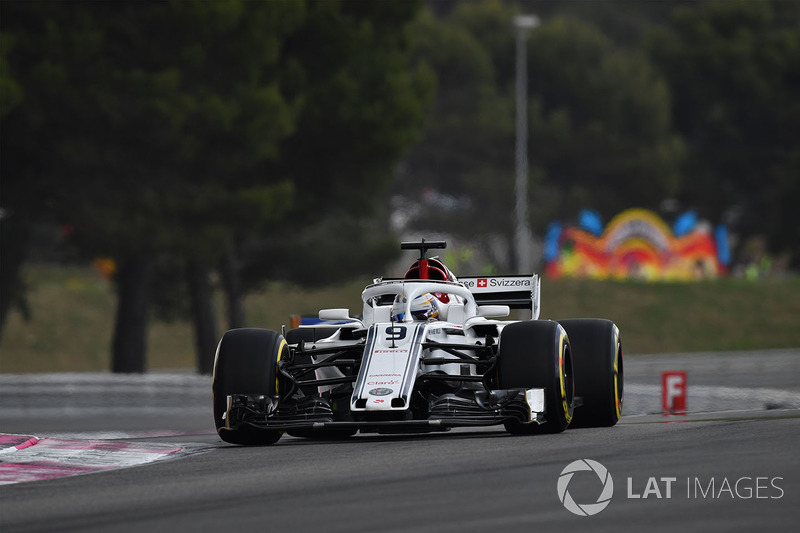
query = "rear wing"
{"x": 517, "y": 292}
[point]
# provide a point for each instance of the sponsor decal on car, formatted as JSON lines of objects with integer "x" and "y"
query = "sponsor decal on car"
{"x": 381, "y": 391}
{"x": 498, "y": 284}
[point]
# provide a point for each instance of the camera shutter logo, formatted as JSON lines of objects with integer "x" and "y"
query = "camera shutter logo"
{"x": 586, "y": 509}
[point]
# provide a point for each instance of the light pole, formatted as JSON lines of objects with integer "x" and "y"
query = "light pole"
{"x": 523, "y": 24}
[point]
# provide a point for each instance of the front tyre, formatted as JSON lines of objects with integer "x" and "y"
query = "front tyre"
{"x": 597, "y": 353}
{"x": 245, "y": 365}
{"x": 536, "y": 354}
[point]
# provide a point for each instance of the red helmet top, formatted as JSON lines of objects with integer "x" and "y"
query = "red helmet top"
{"x": 432, "y": 269}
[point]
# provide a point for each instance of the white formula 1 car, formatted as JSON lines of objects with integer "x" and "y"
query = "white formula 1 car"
{"x": 429, "y": 353}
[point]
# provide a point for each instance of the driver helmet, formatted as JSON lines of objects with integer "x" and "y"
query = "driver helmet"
{"x": 429, "y": 269}
{"x": 423, "y": 307}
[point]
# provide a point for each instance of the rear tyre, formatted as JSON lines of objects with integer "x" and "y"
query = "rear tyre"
{"x": 246, "y": 364}
{"x": 597, "y": 356}
{"x": 536, "y": 354}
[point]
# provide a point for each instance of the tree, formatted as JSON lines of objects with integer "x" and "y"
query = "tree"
{"x": 599, "y": 122}
{"x": 157, "y": 119}
{"x": 363, "y": 103}
{"x": 182, "y": 132}
{"x": 458, "y": 177}
{"x": 734, "y": 70}
{"x": 601, "y": 125}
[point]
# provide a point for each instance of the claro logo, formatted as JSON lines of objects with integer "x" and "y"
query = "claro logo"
{"x": 585, "y": 509}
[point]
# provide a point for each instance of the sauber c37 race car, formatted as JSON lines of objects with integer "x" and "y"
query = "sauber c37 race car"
{"x": 429, "y": 353}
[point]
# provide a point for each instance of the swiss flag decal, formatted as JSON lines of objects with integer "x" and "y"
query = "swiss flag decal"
{"x": 481, "y": 282}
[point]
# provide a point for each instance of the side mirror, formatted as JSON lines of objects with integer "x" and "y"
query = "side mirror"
{"x": 334, "y": 314}
{"x": 494, "y": 310}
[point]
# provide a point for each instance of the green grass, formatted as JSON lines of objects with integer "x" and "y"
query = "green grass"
{"x": 726, "y": 314}
{"x": 73, "y": 313}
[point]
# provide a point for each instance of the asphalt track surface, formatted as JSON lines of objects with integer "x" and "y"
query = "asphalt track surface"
{"x": 730, "y": 465}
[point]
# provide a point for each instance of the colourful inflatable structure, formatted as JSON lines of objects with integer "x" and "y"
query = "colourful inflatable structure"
{"x": 637, "y": 244}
